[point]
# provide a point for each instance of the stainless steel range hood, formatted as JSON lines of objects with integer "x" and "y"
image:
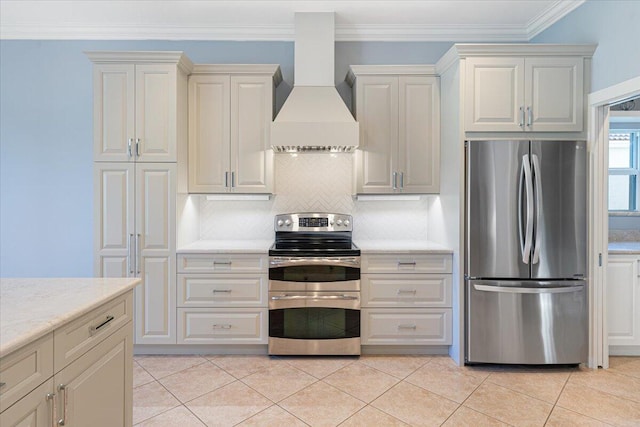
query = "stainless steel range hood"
{"x": 314, "y": 117}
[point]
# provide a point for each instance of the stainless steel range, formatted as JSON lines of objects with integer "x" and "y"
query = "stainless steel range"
{"x": 314, "y": 286}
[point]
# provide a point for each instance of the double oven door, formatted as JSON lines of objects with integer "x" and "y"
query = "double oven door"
{"x": 314, "y": 305}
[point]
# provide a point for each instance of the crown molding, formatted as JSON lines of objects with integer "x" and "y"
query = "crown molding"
{"x": 464, "y": 50}
{"x": 47, "y": 24}
{"x": 270, "y": 69}
{"x": 169, "y": 57}
{"x": 389, "y": 70}
{"x": 550, "y": 16}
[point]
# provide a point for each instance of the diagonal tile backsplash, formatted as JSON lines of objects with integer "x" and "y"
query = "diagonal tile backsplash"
{"x": 313, "y": 182}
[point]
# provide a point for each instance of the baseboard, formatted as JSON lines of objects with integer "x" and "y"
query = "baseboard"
{"x": 624, "y": 350}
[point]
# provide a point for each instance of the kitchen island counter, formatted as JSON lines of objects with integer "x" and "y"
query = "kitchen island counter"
{"x": 632, "y": 248}
{"x": 31, "y": 308}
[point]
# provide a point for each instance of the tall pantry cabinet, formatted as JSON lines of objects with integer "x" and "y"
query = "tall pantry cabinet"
{"x": 140, "y": 130}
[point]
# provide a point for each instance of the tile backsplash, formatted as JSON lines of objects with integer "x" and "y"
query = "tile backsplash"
{"x": 314, "y": 182}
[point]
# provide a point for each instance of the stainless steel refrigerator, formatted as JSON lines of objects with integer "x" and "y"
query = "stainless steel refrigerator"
{"x": 525, "y": 252}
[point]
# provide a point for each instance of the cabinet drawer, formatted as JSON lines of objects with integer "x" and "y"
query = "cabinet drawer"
{"x": 223, "y": 263}
{"x": 406, "y": 326}
{"x": 222, "y": 326}
{"x": 222, "y": 290}
{"x": 25, "y": 369}
{"x": 407, "y": 263}
{"x": 73, "y": 340}
{"x": 407, "y": 290}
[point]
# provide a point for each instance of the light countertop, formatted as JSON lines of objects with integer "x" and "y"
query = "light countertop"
{"x": 31, "y": 308}
{"x": 227, "y": 246}
{"x": 624, "y": 248}
{"x": 383, "y": 246}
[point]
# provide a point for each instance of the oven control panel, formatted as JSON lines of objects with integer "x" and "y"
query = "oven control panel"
{"x": 310, "y": 222}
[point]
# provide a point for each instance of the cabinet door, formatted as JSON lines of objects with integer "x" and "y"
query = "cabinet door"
{"x": 98, "y": 386}
{"x": 156, "y": 113}
{"x": 494, "y": 95}
{"x": 251, "y": 115}
{"x": 377, "y": 110}
{"x": 209, "y": 133}
{"x": 155, "y": 308}
{"x": 554, "y": 94}
{"x": 33, "y": 410}
{"x": 114, "y": 219}
{"x": 419, "y": 134}
{"x": 623, "y": 300}
{"x": 113, "y": 112}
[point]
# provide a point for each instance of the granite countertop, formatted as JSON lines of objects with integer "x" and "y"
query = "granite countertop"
{"x": 227, "y": 246}
{"x": 624, "y": 248}
{"x": 383, "y": 246}
{"x": 31, "y": 308}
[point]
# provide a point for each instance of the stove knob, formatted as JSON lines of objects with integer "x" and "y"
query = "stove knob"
{"x": 280, "y": 222}
{"x": 346, "y": 222}
{"x": 339, "y": 222}
{"x": 288, "y": 223}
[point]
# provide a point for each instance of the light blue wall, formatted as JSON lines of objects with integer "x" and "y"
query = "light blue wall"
{"x": 613, "y": 25}
{"x": 46, "y": 188}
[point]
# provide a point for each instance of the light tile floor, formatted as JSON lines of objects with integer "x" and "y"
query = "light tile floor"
{"x": 185, "y": 391}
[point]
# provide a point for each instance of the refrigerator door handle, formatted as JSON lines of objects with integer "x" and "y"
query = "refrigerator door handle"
{"x": 525, "y": 177}
{"x": 538, "y": 191}
{"x": 518, "y": 290}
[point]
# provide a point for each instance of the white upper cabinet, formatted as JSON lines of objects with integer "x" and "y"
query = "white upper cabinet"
{"x": 230, "y": 112}
{"x": 136, "y": 105}
{"x": 525, "y": 88}
{"x": 399, "y": 114}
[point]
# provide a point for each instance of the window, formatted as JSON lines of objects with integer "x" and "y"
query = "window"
{"x": 624, "y": 170}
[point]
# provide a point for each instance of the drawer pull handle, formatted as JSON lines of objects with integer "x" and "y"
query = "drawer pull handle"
{"x": 95, "y": 329}
{"x": 407, "y": 291}
{"x": 407, "y": 327}
{"x": 222, "y": 291}
{"x": 403, "y": 264}
{"x": 225, "y": 326}
{"x": 221, "y": 262}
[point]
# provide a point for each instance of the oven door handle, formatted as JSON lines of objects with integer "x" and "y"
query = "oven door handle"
{"x": 339, "y": 261}
{"x": 313, "y": 297}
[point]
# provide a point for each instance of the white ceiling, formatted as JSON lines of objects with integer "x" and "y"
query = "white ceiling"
{"x": 363, "y": 20}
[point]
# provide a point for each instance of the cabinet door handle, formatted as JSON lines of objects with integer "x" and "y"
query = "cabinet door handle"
{"x": 225, "y": 326}
{"x": 414, "y": 327}
{"x": 395, "y": 180}
{"x": 138, "y": 255}
{"x": 63, "y": 390}
{"x": 129, "y": 246}
{"x": 51, "y": 397}
{"x": 94, "y": 329}
{"x": 137, "y": 147}
{"x": 129, "y": 144}
{"x": 521, "y": 124}
{"x": 233, "y": 179}
{"x": 401, "y": 180}
{"x": 226, "y": 179}
{"x": 529, "y": 116}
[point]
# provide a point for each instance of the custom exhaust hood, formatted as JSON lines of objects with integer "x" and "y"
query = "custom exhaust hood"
{"x": 314, "y": 118}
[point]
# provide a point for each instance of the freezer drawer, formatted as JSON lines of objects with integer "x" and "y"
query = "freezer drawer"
{"x": 542, "y": 322}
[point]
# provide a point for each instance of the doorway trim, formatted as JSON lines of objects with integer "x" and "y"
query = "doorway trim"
{"x": 598, "y": 137}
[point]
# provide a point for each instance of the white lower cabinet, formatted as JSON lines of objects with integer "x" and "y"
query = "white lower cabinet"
{"x": 222, "y": 298}
{"x": 406, "y": 299}
{"x": 80, "y": 375}
{"x": 623, "y": 304}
